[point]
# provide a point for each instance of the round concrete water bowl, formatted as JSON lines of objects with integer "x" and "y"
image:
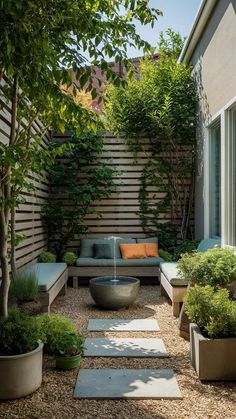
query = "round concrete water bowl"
{"x": 114, "y": 294}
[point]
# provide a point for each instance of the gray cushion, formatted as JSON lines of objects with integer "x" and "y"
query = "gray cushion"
{"x": 86, "y": 249}
{"x": 86, "y": 246}
{"x": 170, "y": 270}
{"x": 207, "y": 244}
{"x": 148, "y": 240}
{"x": 102, "y": 251}
{"x": 119, "y": 262}
{"x": 47, "y": 273}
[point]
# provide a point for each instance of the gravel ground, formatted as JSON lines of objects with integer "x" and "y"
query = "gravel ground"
{"x": 215, "y": 400}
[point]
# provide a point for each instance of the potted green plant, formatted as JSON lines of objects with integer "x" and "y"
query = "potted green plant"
{"x": 52, "y": 326}
{"x": 69, "y": 258}
{"x": 47, "y": 257}
{"x": 24, "y": 288}
{"x": 213, "y": 333}
{"x": 20, "y": 354}
{"x": 215, "y": 267}
{"x": 69, "y": 349}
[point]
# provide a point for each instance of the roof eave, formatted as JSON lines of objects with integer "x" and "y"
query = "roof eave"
{"x": 198, "y": 27}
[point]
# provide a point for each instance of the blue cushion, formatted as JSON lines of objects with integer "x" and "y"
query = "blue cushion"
{"x": 47, "y": 273}
{"x": 148, "y": 240}
{"x": 170, "y": 270}
{"x": 207, "y": 244}
{"x": 86, "y": 246}
{"x": 119, "y": 262}
{"x": 86, "y": 249}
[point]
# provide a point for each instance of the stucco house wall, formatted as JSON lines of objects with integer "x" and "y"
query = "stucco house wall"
{"x": 214, "y": 62}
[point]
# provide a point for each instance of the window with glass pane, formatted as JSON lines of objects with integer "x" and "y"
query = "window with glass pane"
{"x": 231, "y": 181}
{"x": 214, "y": 181}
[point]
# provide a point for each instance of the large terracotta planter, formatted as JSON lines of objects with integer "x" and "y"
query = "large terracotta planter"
{"x": 21, "y": 375}
{"x": 213, "y": 359}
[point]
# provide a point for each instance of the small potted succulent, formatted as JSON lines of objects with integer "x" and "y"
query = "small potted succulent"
{"x": 69, "y": 350}
{"x": 213, "y": 333}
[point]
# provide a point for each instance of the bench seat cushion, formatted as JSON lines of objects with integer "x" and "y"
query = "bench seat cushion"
{"x": 47, "y": 273}
{"x": 119, "y": 262}
{"x": 169, "y": 269}
{"x": 87, "y": 250}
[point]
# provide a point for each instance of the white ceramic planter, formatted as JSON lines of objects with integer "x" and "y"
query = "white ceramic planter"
{"x": 21, "y": 374}
{"x": 213, "y": 359}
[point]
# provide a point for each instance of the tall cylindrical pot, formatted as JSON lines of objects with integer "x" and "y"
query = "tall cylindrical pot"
{"x": 21, "y": 374}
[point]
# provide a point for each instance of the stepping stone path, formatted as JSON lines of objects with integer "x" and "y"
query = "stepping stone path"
{"x": 114, "y": 347}
{"x": 122, "y": 325}
{"x": 126, "y": 383}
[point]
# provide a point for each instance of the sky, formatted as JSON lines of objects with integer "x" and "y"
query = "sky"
{"x": 177, "y": 14}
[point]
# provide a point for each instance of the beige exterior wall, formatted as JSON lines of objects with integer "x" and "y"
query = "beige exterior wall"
{"x": 215, "y": 58}
{"x": 214, "y": 61}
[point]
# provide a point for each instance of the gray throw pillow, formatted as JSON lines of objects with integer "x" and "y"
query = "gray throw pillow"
{"x": 102, "y": 251}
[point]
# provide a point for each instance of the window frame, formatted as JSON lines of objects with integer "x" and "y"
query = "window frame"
{"x": 222, "y": 117}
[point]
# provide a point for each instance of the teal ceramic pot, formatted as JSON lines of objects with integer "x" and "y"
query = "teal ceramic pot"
{"x": 68, "y": 362}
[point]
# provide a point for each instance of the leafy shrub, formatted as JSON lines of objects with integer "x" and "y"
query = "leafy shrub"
{"x": 187, "y": 246}
{"x": 212, "y": 310}
{"x": 24, "y": 285}
{"x": 69, "y": 258}
{"x": 69, "y": 344}
{"x": 19, "y": 333}
{"x": 168, "y": 257}
{"x": 47, "y": 257}
{"x": 214, "y": 267}
{"x": 52, "y": 326}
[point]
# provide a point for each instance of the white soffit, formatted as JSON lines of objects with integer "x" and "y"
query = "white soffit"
{"x": 198, "y": 27}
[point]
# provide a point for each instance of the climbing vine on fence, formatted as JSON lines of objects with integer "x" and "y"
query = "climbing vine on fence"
{"x": 160, "y": 103}
{"x": 77, "y": 180}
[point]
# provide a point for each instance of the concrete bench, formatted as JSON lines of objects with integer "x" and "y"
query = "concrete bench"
{"x": 52, "y": 281}
{"x": 171, "y": 282}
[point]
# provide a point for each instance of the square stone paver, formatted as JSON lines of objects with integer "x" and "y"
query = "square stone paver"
{"x": 123, "y": 325}
{"x": 120, "y": 347}
{"x": 127, "y": 384}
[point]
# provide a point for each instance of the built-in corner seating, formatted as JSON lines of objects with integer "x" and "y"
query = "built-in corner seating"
{"x": 52, "y": 281}
{"x": 89, "y": 266}
{"x": 171, "y": 282}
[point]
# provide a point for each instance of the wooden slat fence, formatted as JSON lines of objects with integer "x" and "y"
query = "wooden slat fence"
{"x": 28, "y": 218}
{"x": 120, "y": 212}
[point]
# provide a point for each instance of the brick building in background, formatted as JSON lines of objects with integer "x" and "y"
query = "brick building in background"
{"x": 118, "y": 68}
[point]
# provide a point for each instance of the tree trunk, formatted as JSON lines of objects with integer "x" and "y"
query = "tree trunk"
{"x": 6, "y": 196}
{"x": 4, "y": 289}
{"x": 13, "y": 259}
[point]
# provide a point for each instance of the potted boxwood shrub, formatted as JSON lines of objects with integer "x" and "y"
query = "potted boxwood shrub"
{"x": 215, "y": 267}
{"x": 20, "y": 355}
{"x": 69, "y": 258}
{"x": 24, "y": 287}
{"x": 69, "y": 349}
{"x": 213, "y": 333}
{"x": 47, "y": 257}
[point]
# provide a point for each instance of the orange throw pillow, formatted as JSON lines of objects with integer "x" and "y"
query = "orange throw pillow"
{"x": 133, "y": 251}
{"x": 151, "y": 250}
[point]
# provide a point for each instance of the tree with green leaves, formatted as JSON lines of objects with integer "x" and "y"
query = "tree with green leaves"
{"x": 39, "y": 41}
{"x": 160, "y": 104}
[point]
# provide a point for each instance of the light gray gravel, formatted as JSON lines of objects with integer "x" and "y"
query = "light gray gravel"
{"x": 54, "y": 400}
